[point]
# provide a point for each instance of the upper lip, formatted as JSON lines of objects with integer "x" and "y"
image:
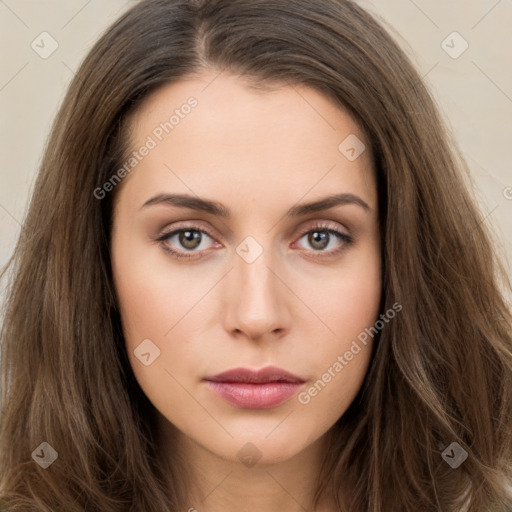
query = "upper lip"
{"x": 248, "y": 375}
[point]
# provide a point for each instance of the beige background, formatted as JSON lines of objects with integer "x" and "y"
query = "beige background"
{"x": 474, "y": 91}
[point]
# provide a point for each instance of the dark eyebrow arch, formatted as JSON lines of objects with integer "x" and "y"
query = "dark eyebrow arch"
{"x": 218, "y": 209}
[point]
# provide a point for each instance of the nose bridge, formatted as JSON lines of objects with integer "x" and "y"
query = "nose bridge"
{"x": 257, "y": 303}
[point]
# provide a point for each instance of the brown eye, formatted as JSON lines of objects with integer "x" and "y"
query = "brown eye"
{"x": 185, "y": 242}
{"x": 319, "y": 239}
{"x": 190, "y": 239}
{"x": 322, "y": 240}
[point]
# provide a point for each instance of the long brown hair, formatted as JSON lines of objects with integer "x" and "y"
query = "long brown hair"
{"x": 442, "y": 370}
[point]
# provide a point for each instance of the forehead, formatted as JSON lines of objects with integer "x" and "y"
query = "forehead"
{"x": 243, "y": 140}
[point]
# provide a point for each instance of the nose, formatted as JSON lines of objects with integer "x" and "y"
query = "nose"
{"x": 257, "y": 302}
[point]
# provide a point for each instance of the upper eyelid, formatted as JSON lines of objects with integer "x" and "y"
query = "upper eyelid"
{"x": 324, "y": 225}
{"x": 190, "y": 225}
{"x": 197, "y": 225}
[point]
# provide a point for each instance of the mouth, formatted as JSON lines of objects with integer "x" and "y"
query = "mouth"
{"x": 255, "y": 389}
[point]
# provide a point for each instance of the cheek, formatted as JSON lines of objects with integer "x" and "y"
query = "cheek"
{"x": 142, "y": 301}
{"x": 349, "y": 304}
{"x": 155, "y": 327}
{"x": 141, "y": 295}
{"x": 150, "y": 296}
{"x": 346, "y": 299}
{"x": 340, "y": 365}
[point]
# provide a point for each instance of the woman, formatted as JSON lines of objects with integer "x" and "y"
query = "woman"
{"x": 251, "y": 277}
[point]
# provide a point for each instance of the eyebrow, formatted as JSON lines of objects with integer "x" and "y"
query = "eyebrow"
{"x": 218, "y": 209}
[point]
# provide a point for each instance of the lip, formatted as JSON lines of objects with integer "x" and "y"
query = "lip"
{"x": 255, "y": 389}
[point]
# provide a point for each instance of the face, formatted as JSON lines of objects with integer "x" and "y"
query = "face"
{"x": 220, "y": 266}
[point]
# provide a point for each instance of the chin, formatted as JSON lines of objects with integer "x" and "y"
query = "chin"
{"x": 257, "y": 450}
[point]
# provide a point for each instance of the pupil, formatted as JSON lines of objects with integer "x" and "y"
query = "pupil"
{"x": 190, "y": 239}
{"x": 318, "y": 239}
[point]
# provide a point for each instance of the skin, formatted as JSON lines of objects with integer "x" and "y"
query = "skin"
{"x": 258, "y": 153}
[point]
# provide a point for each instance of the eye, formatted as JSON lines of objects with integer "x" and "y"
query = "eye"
{"x": 320, "y": 237}
{"x": 188, "y": 239}
{"x": 187, "y": 242}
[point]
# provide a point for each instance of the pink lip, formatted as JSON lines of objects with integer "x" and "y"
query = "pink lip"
{"x": 255, "y": 389}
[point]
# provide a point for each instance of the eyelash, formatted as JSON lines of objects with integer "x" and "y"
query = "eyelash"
{"x": 324, "y": 227}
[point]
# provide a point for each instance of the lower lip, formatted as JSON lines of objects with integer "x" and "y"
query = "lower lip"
{"x": 255, "y": 396}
